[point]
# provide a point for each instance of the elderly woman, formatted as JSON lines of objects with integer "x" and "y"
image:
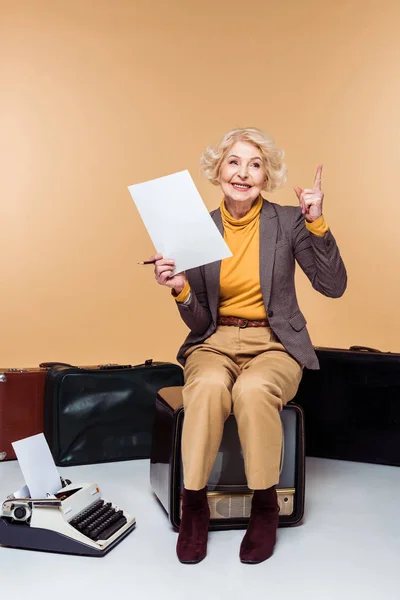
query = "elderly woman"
{"x": 248, "y": 341}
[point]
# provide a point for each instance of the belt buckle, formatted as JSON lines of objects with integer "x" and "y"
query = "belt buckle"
{"x": 246, "y": 322}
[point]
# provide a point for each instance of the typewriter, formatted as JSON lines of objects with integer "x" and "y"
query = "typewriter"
{"x": 75, "y": 520}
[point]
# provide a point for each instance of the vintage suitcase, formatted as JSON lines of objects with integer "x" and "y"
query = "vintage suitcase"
{"x": 228, "y": 495}
{"x": 352, "y": 405}
{"x": 21, "y": 406}
{"x": 104, "y": 413}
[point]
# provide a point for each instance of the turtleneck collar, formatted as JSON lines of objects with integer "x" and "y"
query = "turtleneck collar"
{"x": 253, "y": 213}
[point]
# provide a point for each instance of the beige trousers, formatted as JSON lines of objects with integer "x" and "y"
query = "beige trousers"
{"x": 247, "y": 371}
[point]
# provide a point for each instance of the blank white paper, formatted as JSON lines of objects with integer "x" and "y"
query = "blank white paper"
{"x": 37, "y": 466}
{"x": 178, "y": 221}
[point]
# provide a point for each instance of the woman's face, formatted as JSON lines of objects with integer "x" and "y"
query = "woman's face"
{"x": 242, "y": 174}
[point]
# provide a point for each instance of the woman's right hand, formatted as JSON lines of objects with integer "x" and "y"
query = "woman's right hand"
{"x": 164, "y": 273}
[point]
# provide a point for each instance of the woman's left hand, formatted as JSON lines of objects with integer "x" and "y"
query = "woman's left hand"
{"x": 311, "y": 199}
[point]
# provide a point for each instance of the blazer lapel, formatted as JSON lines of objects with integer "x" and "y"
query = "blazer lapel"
{"x": 212, "y": 273}
{"x": 268, "y": 233}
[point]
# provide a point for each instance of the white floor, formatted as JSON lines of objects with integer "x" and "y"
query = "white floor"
{"x": 347, "y": 548}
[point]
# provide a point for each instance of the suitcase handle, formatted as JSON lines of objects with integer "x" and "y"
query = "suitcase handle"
{"x": 49, "y": 365}
{"x": 363, "y": 349}
{"x": 147, "y": 363}
{"x": 114, "y": 366}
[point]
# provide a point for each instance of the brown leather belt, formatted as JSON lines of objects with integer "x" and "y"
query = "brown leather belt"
{"x": 238, "y": 322}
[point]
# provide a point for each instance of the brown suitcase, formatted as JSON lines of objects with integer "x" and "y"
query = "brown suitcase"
{"x": 21, "y": 406}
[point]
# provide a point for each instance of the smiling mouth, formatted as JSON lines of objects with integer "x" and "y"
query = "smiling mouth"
{"x": 241, "y": 186}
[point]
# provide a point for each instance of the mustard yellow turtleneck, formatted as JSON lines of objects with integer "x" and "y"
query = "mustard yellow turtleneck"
{"x": 240, "y": 291}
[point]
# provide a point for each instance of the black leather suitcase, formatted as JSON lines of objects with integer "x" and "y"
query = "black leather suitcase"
{"x": 228, "y": 495}
{"x": 105, "y": 413}
{"x": 352, "y": 405}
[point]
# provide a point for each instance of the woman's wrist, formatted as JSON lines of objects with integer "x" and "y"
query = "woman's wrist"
{"x": 177, "y": 290}
{"x": 311, "y": 219}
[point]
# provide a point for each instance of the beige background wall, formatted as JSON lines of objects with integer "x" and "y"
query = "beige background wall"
{"x": 100, "y": 94}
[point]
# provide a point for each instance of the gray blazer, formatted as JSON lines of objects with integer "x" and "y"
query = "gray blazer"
{"x": 284, "y": 238}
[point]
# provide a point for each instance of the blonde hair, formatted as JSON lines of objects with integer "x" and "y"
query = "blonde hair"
{"x": 274, "y": 165}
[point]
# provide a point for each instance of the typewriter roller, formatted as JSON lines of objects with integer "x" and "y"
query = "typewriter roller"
{"x": 76, "y": 520}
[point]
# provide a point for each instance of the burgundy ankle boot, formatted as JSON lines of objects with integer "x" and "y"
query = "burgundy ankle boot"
{"x": 259, "y": 540}
{"x": 193, "y": 532}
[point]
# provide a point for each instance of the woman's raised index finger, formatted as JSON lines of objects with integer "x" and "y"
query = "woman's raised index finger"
{"x": 318, "y": 175}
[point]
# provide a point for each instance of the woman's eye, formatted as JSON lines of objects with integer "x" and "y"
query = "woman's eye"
{"x": 233, "y": 162}
{"x": 256, "y": 165}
